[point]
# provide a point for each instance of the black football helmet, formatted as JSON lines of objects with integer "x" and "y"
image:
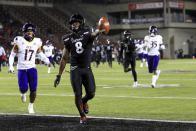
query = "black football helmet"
{"x": 76, "y": 18}
{"x": 25, "y": 29}
{"x": 153, "y": 30}
{"x": 127, "y": 34}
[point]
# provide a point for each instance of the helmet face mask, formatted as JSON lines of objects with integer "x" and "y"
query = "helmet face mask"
{"x": 76, "y": 22}
{"x": 28, "y": 32}
{"x": 153, "y": 30}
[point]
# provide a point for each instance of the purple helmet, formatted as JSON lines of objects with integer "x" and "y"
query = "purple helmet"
{"x": 48, "y": 42}
{"x": 153, "y": 30}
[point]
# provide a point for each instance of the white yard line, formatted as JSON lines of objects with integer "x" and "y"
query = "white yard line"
{"x": 108, "y": 96}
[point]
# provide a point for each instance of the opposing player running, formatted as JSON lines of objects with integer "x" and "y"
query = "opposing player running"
{"x": 48, "y": 51}
{"x": 153, "y": 42}
{"x": 26, "y": 47}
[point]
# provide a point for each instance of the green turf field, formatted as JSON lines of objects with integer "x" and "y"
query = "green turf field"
{"x": 175, "y": 99}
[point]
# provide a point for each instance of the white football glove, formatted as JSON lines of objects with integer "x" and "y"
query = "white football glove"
{"x": 163, "y": 47}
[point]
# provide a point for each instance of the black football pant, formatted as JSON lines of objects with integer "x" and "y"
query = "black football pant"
{"x": 132, "y": 62}
{"x": 82, "y": 76}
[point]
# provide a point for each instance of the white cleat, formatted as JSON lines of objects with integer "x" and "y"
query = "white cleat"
{"x": 141, "y": 65}
{"x": 30, "y": 108}
{"x": 135, "y": 84}
{"x": 158, "y": 73}
{"x": 23, "y": 97}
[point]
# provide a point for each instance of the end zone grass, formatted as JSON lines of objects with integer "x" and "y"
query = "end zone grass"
{"x": 166, "y": 103}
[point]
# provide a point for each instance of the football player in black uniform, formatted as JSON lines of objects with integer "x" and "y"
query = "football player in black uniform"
{"x": 79, "y": 44}
{"x": 128, "y": 49}
{"x": 109, "y": 49}
{"x": 98, "y": 54}
{"x": 119, "y": 56}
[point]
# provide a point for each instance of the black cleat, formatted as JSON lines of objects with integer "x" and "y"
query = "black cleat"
{"x": 83, "y": 120}
{"x": 85, "y": 108}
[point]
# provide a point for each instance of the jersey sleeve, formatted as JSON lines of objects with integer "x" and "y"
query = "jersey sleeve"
{"x": 16, "y": 40}
{"x": 89, "y": 32}
{"x": 145, "y": 39}
{"x": 66, "y": 40}
{"x": 146, "y": 42}
{"x": 161, "y": 39}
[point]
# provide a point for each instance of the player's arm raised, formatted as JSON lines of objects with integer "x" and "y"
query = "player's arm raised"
{"x": 11, "y": 58}
{"x": 62, "y": 66}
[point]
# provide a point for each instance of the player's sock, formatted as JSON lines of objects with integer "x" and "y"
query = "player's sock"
{"x": 23, "y": 97}
{"x": 158, "y": 73}
{"x": 30, "y": 108}
{"x": 154, "y": 78}
{"x": 48, "y": 69}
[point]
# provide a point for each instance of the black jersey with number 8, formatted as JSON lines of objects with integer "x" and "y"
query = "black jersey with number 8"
{"x": 79, "y": 46}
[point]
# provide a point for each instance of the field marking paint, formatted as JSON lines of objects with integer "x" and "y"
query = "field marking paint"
{"x": 115, "y": 118}
{"x": 145, "y": 85}
{"x": 108, "y": 96}
{"x": 118, "y": 79}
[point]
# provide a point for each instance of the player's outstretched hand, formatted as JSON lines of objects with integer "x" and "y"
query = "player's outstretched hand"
{"x": 57, "y": 80}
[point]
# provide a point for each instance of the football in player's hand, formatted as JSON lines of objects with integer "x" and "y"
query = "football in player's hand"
{"x": 104, "y": 24}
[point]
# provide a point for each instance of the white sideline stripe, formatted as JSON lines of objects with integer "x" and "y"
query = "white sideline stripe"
{"x": 115, "y": 118}
{"x": 107, "y": 96}
{"x": 111, "y": 86}
{"x": 144, "y": 85}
